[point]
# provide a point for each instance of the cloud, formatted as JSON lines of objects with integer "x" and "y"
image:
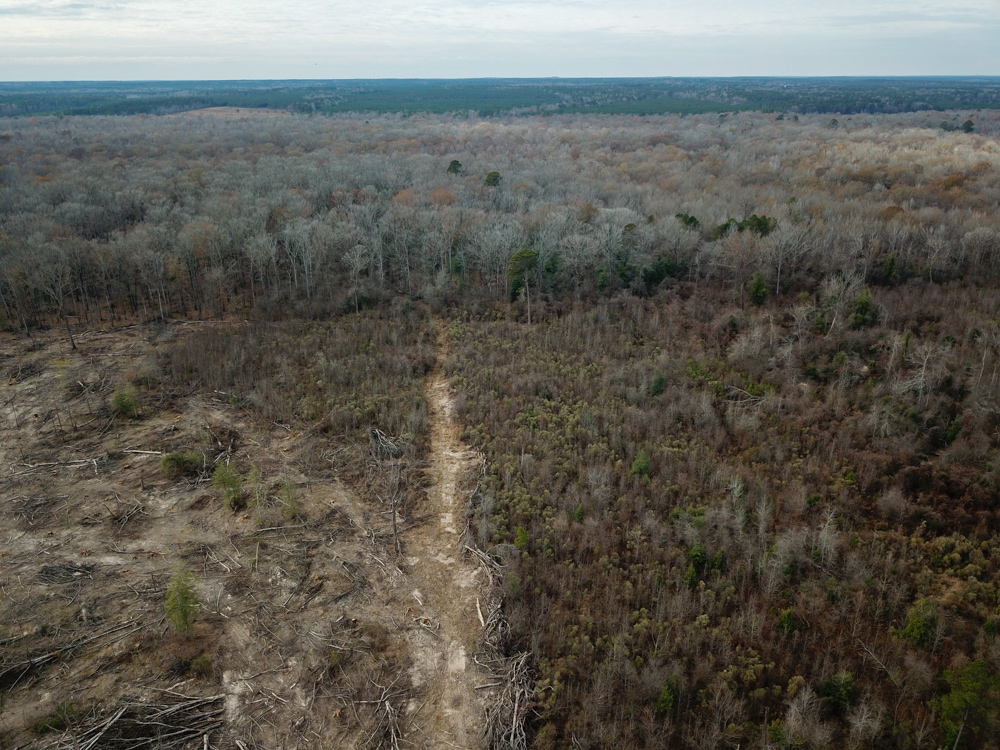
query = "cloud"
{"x": 48, "y": 9}
{"x": 459, "y": 37}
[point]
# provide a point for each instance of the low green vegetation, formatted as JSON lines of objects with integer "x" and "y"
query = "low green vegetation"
{"x": 182, "y": 603}
{"x": 840, "y": 690}
{"x": 61, "y": 720}
{"x": 758, "y": 289}
{"x": 125, "y": 402}
{"x": 969, "y": 707}
{"x": 759, "y": 225}
{"x": 290, "y": 505}
{"x": 227, "y": 478}
{"x": 921, "y": 624}
{"x": 182, "y": 463}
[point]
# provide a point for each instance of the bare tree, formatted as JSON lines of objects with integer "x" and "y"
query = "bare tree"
{"x": 357, "y": 260}
{"x": 55, "y": 279}
{"x": 785, "y": 248}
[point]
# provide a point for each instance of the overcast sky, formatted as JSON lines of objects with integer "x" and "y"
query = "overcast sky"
{"x": 224, "y": 39}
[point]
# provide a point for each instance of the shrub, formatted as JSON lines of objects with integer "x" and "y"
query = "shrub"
{"x": 720, "y": 561}
{"x": 662, "y": 267}
{"x": 723, "y": 229}
{"x": 228, "y": 480}
{"x": 57, "y": 722}
{"x": 691, "y": 576}
{"x": 291, "y": 508}
{"x": 519, "y": 271}
{"x": 788, "y": 623}
{"x": 334, "y": 661}
{"x": 863, "y": 310}
{"x": 776, "y": 733}
{"x": 658, "y": 384}
{"x": 921, "y": 621}
{"x": 668, "y": 697}
{"x": 201, "y": 666}
{"x": 759, "y": 225}
{"x": 258, "y": 490}
{"x": 758, "y": 289}
{"x": 969, "y": 706}
{"x": 514, "y": 586}
{"x": 182, "y": 602}
{"x": 641, "y": 465}
{"x": 697, "y": 555}
{"x": 180, "y": 463}
{"x": 839, "y": 690}
{"x": 953, "y": 430}
{"x": 522, "y": 540}
{"x": 125, "y": 403}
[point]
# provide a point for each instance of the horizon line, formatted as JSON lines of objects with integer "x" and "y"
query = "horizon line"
{"x": 873, "y": 76}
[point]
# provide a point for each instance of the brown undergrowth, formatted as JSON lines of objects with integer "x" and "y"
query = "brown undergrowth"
{"x": 756, "y": 527}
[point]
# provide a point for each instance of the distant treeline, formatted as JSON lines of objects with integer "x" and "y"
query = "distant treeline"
{"x": 649, "y": 96}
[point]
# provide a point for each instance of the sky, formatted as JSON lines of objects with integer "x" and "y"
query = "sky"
{"x": 254, "y": 39}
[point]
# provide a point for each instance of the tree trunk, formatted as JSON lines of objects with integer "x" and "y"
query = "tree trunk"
{"x": 69, "y": 331}
{"x": 958, "y": 737}
{"x": 527, "y": 294}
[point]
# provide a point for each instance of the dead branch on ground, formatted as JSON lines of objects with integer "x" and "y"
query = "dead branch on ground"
{"x": 174, "y": 723}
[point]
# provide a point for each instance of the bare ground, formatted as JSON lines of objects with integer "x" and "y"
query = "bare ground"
{"x": 312, "y": 634}
{"x": 446, "y": 591}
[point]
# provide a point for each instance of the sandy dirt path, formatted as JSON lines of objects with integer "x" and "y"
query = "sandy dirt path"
{"x": 448, "y": 710}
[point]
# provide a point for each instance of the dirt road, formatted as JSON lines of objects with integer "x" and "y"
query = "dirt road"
{"x": 448, "y": 710}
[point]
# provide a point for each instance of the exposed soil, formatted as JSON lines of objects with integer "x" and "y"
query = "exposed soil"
{"x": 308, "y": 618}
{"x": 446, "y": 585}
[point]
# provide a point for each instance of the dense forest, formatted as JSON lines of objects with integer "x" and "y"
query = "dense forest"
{"x": 735, "y": 377}
{"x": 649, "y": 96}
{"x": 105, "y": 218}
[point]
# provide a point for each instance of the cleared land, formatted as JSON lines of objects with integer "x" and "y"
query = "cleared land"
{"x": 312, "y": 630}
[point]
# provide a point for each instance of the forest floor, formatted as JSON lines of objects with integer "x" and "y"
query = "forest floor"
{"x": 312, "y": 632}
